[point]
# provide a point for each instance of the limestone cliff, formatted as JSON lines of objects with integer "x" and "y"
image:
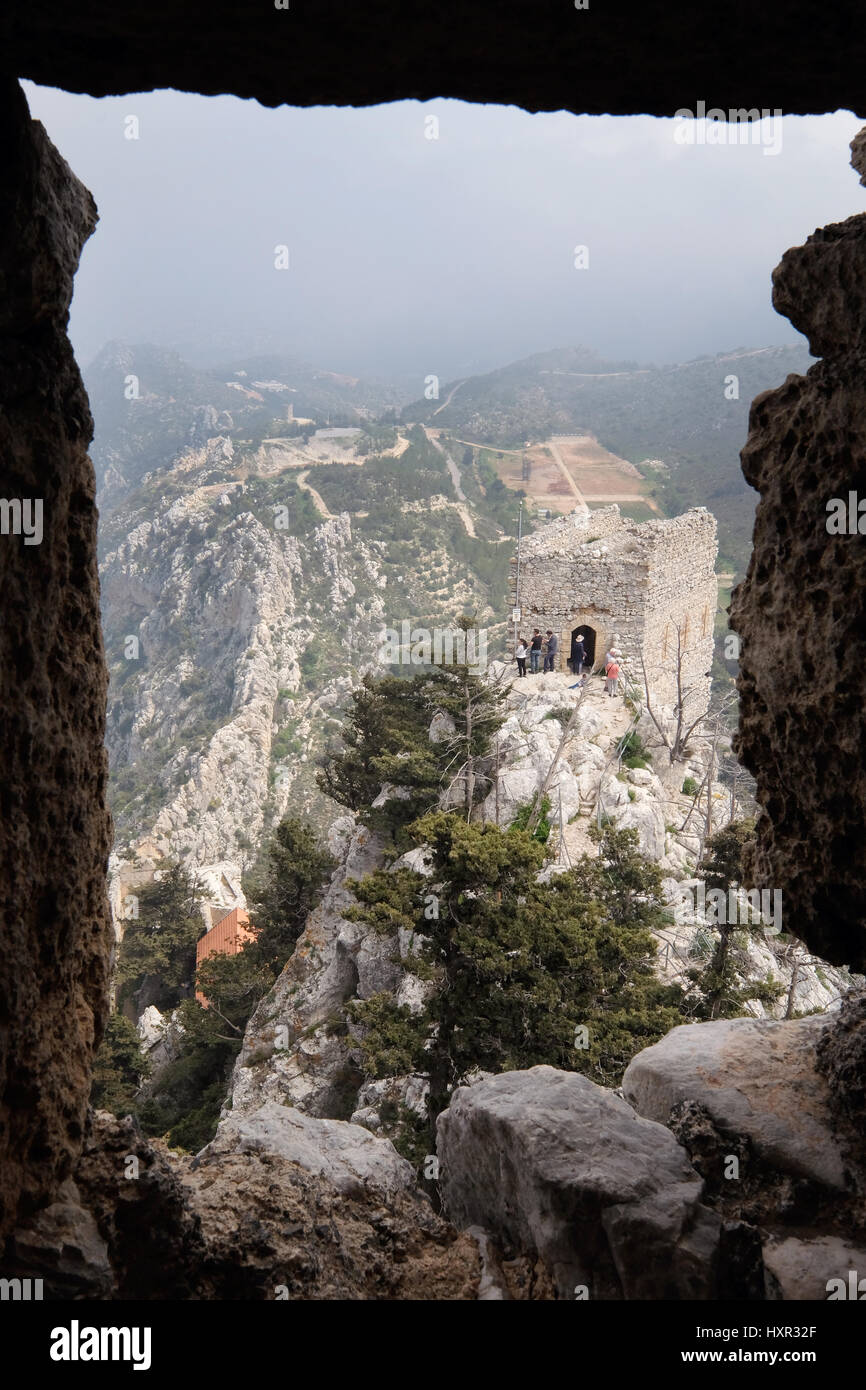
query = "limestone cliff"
{"x": 238, "y": 618}
{"x": 297, "y": 1049}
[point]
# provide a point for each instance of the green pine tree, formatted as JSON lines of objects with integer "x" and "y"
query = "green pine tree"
{"x": 386, "y": 740}
{"x": 719, "y": 993}
{"x": 158, "y": 947}
{"x": 518, "y": 972}
{"x": 119, "y": 1068}
{"x": 283, "y": 889}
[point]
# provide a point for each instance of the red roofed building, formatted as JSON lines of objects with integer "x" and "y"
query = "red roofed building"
{"x": 228, "y": 935}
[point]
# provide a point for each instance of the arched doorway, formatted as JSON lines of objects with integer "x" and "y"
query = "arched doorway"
{"x": 589, "y": 638}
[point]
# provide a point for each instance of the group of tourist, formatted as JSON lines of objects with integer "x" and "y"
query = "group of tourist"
{"x": 546, "y": 646}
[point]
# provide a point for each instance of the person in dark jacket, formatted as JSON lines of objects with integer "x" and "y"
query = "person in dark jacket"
{"x": 535, "y": 652}
{"x": 550, "y": 651}
{"x": 578, "y": 654}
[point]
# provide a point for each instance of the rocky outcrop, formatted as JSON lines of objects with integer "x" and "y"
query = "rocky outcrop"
{"x": 62, "y": 1246}
{"x": 54, "y": 941}
{"x": 273, "y": 1231}
{"x": 238, "y": 1223}
{"x": 763, "y": 1128}
{"x": 756, "y": 1080}
{"x": 296, "y": 1048}
{"x": 841, "y": 1060}
{"x": 347, "y": 1155}
{"x": 805, "y": 1270}
{"x": 234, "y": 645}
{"x": 552, "y": 1166}
{"x": 207, "y": 616}
{"x": 129, "y": 1186}
{"x": 590, "y": 781}
{"x": 800, "y": 610}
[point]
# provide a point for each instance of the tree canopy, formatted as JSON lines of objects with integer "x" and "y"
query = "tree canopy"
{"x": 517, "y": 971}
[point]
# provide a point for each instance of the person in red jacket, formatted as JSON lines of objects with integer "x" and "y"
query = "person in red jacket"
{"x": 611, "y": 672}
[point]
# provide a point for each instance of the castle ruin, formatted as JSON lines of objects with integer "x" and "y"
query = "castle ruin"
{"x": 649, "y": 589}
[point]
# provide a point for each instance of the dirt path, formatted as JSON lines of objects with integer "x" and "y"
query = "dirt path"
{"x": 455, "y": 477}
{"x": 491, "y": 448}
{"x": 594, "y": 376}
{"x": 622, "y": 497}
{"x": 557, "y": 456}
{"x": 447, "y": 400}
{"x": 454, "y": 472}
{"x": 316, "y": 496}
{"x": 465, "y": 518}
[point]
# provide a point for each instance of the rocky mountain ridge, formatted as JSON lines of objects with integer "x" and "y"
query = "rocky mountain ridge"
{"x": 295, "y": 1050}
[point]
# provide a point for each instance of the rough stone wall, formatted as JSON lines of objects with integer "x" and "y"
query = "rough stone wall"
{"x": 634, "y": 584}
{"x": 54, "y": 940}
{"x": 574, "y": 571}
{"x": 682, "y": 598}
{"x": 800, "y": 610}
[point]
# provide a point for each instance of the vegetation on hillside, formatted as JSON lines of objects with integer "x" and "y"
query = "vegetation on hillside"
{"x": 185, "y": 1099}
{"x": 684, "y": 414}
{"x": 386, "y": 743}
{"x": 719, "y": 991}
{"x": 518, "y": 972}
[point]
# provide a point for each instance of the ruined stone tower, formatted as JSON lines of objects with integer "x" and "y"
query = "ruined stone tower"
{"x": 647, "y": 588}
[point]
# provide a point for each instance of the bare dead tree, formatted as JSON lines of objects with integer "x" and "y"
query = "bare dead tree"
{"x": 459, "y": 745}
{"x": 794, "y": 960}
{"x": 677, "y": 740}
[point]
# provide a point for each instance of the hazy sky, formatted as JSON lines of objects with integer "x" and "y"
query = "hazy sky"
{"x": 410, "y": 255}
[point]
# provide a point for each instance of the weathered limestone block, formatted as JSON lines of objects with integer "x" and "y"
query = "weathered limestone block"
{"x": 756, "y": 1080}
{"x": 552, "y": 1166}
{"x": 233, "y": 1225}
{"x": 61, "y": 1245}
{"x": 54, "y": 841}
{"x": 348, "y": 1155}
{"x": 802, "y": 1270}
{"x": 800, "y": 610}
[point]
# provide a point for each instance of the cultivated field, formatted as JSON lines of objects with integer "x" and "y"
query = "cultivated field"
{"x": 568, "y": 469}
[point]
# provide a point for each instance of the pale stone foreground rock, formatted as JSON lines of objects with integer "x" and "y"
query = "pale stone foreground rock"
{"x": 802, "y": 1269}
{"x": 350, "y": 1157}
{"x": 547, "y": 1163}
{"x": 756, "y": 1079}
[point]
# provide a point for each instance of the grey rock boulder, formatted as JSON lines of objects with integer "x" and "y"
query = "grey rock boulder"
{"x": 757, "y": 1080}
{"x": 550, "y": 1165}
{"x": 62, "y": 1245}
{"x": 803, "y": 1269}
{"x": 350, "y": 1157}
